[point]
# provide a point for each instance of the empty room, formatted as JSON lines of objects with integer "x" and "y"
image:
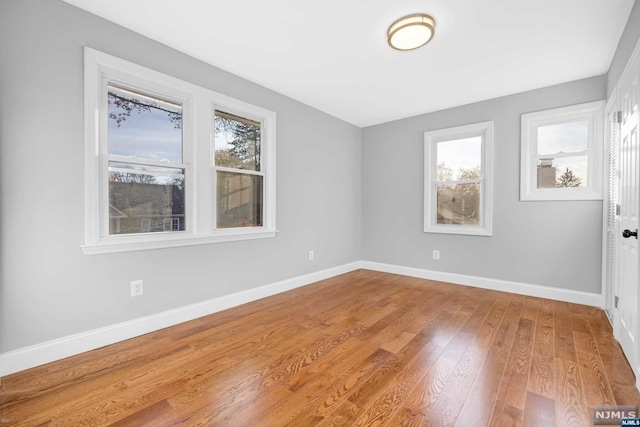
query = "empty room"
{"x": 279, "y": 213}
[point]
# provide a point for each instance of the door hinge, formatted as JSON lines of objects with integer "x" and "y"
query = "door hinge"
{"x": 618, "y": 115}
{"x": 615, "y": 301}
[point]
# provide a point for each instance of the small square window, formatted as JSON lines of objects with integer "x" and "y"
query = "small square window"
{"x": 561, "y": 153}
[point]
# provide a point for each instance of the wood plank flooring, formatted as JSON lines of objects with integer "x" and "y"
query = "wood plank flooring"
{"x": 362, "y": 349}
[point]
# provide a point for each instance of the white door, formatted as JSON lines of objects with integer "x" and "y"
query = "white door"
{"x": 626, "y": 315}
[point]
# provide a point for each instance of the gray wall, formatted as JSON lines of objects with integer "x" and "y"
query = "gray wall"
{"x": 48, "y": 288}
{"x": 627, "y": 43}
{"x": 347, "y": 193}
{"x": 545, "y": 243}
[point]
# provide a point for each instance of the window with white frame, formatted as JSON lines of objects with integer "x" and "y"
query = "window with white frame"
{"x": 239, "y": 171}
{"x": 145, "y": 168}
{"x": 169, "y": 163}
{"x": 458, "y": 180}
{"x": 561, "y": 153}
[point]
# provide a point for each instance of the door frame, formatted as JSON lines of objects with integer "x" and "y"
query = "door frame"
{"x": 609, "y": 285}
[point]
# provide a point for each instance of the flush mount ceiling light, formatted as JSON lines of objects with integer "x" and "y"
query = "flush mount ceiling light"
{"x": 411, "y": 31}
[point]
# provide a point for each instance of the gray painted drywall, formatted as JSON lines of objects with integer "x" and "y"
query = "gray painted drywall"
{"x": 544, "y": 243}
{"x": 627, "y": 43}
{"x": 48, "y": 288}
{"x": 347, "y": 193}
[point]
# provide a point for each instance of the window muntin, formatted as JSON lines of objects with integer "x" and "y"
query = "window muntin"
{"x": 150, "y": 171}
{"x": 458, "y": 184}
{"x": 561, "y": 153}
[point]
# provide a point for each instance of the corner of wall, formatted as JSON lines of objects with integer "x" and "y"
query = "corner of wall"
{"x": 628, "y": 40}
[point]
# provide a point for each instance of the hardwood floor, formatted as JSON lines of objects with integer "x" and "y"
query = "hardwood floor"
{"x": 363, "y": 349}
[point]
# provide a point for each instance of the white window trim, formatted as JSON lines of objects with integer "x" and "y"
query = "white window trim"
{"x": 431, "y": 138}
{"x": 267, "y": 162}
{"x": 198, "y": 148}
{"x": 530, "y": 122}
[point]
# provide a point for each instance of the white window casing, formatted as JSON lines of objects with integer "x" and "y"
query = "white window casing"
{"x": 485, "y": 132}
{"x": 198, "y": 106}
{"x": 593, "y": 114}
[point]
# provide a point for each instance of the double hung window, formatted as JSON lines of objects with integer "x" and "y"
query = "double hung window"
{"x": 169, "y": 163}
{"x": 239, "y": 173}
{"x": 145, "y": 168}
{"x": 458, "y": 180}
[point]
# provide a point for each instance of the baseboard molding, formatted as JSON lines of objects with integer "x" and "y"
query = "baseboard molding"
{"x": 566, "y": 295}
{"x": 50, "y": 351}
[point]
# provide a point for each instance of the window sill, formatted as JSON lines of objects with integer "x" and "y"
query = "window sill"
{"x": 130, "y": 244}
{"x": 559, "y": 194}
{"x": 457, "y": 229}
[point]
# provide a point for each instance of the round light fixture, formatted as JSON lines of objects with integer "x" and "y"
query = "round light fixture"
{"x": 411, "y": 31}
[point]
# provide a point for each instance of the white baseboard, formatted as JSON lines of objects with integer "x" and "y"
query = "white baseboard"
{"x": 566, "y": 295}
{"x": 39, "y": 354}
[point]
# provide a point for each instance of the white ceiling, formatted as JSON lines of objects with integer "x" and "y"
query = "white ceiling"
{"x": 333, "y": 54}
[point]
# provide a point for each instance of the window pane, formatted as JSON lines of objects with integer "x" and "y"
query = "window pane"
{"x": 459, "y": 159}
{"x": 563, "y": 138}
{"x": 144, "y": 199}
{"x": 237, "y": 142}
{"x": 143, "y": 126}
{"x": 459, "y": 204}
{"x": 563, "y": 172}
{"x": 239, "y": 200}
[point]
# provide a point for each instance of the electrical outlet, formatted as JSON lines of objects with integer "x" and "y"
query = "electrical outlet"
{"x": 311, "y": 255}
{"x": 137, "y": 288}
{"x": 436, "y": 254}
